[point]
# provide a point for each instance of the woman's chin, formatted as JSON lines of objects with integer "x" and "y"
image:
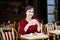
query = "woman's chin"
{"x": 30, "y": 17}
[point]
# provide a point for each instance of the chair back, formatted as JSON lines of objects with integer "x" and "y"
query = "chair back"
{"x": 57, "y": 25}
{"x": 41, "y": 25}
{"x": 8, "y": 34}
{"x": 50, "y": 27}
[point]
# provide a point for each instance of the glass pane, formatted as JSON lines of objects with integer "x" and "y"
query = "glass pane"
{"x": 50, "y": 9}
{"x": 50, "y": 1}
{"x": 51, "y": 18}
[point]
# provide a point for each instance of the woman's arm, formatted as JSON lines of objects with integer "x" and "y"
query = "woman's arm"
{"x": 33, "y": 22}
{"x": 38, "y": 26}
{"x": 28, "y": 25}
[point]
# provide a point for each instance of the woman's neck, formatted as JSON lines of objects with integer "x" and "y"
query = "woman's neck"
{"x": 28, "y": 19}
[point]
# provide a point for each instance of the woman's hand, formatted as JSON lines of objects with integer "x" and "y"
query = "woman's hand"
{"x": 33, "y": 22}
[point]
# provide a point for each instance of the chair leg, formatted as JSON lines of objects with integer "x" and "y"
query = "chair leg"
{"x": 1, "y": 38}
{"x": 54, "y": 37}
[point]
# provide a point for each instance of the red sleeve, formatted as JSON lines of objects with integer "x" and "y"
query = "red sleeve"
{"x": 21, "y": 29}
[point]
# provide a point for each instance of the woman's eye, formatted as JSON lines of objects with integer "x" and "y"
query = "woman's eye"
{"x": 29, "y": 11}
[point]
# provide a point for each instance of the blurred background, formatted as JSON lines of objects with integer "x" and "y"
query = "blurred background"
{"x": 12, "y": 10}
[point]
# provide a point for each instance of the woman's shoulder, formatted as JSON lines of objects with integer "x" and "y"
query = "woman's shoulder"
{"x": 37, "y": 19}
{"x": 22, "y": 20}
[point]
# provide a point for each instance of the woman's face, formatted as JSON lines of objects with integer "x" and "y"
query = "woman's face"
{"x": 30, "y": 13}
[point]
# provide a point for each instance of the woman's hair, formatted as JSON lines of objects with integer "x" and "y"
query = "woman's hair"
{"x": 27, "y": 8}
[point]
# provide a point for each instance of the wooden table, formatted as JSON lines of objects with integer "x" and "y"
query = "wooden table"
{"x": 27, "y": 37}
{"x": 55, "y": 33}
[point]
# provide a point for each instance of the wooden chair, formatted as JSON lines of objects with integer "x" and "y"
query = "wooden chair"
{"x": 57, "y": 25}
{"x": 41, "y": 25}
{"x": 50, "y": 27}
{"x": 9, "y": 34}
{"x": 18, "y": 31}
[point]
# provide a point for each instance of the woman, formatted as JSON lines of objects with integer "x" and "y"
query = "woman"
{"x": 29, "y": 24}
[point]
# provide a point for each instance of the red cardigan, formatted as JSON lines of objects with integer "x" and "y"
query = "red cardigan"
{"x": 31, "y": 29}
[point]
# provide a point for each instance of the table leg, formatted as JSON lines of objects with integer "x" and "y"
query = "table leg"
{"x": 42, "y": 39}
{"x": 48, "y": 39}
{"x": 57, "y": 37}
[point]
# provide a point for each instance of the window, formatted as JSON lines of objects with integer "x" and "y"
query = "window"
{"x": 50, "y": 10}
{"x": 50, "y": 2}
{"x": 50, "y": 18}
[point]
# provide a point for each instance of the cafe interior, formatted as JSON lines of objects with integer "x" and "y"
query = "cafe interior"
{"x": 11, "y": 13}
